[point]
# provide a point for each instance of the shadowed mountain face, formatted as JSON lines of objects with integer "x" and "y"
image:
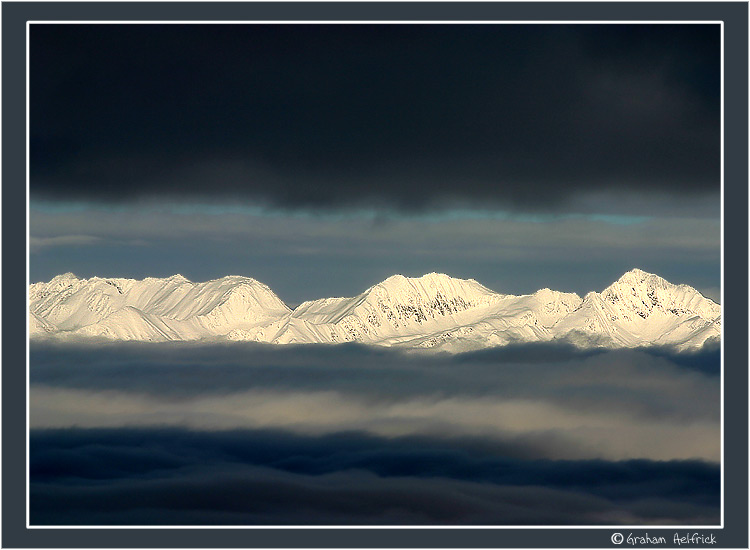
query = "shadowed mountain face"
{"x": 434, "y": 311}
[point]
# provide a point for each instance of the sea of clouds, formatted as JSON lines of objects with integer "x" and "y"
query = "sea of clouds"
{"x": 244, "y": 433}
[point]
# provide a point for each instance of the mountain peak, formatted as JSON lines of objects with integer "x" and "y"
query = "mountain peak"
{"x": 398, "y": 278}
{"x": 637, "y": 285}
{"x": 429, "y": 284}
{"x": 65, "y": 277}
{"x": 399, "y": 281}
{"x": 637, "y": 276}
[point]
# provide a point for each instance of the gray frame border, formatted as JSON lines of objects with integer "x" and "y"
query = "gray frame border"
{"x": 15, "y": 14}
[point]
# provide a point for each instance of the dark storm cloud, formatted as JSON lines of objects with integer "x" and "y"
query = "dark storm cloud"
{"x": 325, "y": 116}
{"x": 175, "y": 476}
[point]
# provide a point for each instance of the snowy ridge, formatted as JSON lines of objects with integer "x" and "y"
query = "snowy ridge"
{"x": 152, "y": 309}
{"x": 433, "y": 311}
{"x": 642, "y": 307}
{"x": 395, "y": 308}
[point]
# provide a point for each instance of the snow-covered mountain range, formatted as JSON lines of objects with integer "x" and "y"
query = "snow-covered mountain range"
{"x": 433, "y": 311}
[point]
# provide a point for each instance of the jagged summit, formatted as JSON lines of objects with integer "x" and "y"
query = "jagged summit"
{"x": 638, "y": 276}
{"x": 432, "y": 311}
{"x": 643, "y": 307}
{"x": 67, "y": 275}
{"x": 395, "y": 308}
{"x": 428, "y": 279}
{"x": 636, "y": 273}
{"x": 429, "y": 284}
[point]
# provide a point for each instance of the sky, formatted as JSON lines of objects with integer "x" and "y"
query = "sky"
{"x": 321, "y": 159}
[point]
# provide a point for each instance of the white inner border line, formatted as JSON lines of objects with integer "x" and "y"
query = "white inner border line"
{"x": 374, "y": 22}
{"x": 721, "y": 277}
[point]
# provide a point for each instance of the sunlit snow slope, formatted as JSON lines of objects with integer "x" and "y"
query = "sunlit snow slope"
{"x": 433, "y": 311}
{"x": 152, "y": 309}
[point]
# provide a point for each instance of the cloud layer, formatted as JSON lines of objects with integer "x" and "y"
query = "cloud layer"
{"x": 402, "y": 116}
{"x": 172, "y": 476}
{"x": 256, "y": 434}
{"x": 555, "y": 400}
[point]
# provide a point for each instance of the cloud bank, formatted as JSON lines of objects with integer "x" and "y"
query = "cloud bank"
{"x": 173, "y": 476}
{"x": 135, "y": 433}
{"x": 563, "y": 403}
{"x": 400, "y": 116}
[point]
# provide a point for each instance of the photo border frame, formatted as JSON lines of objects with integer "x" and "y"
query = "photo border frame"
{"x": 734, "y": 15}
